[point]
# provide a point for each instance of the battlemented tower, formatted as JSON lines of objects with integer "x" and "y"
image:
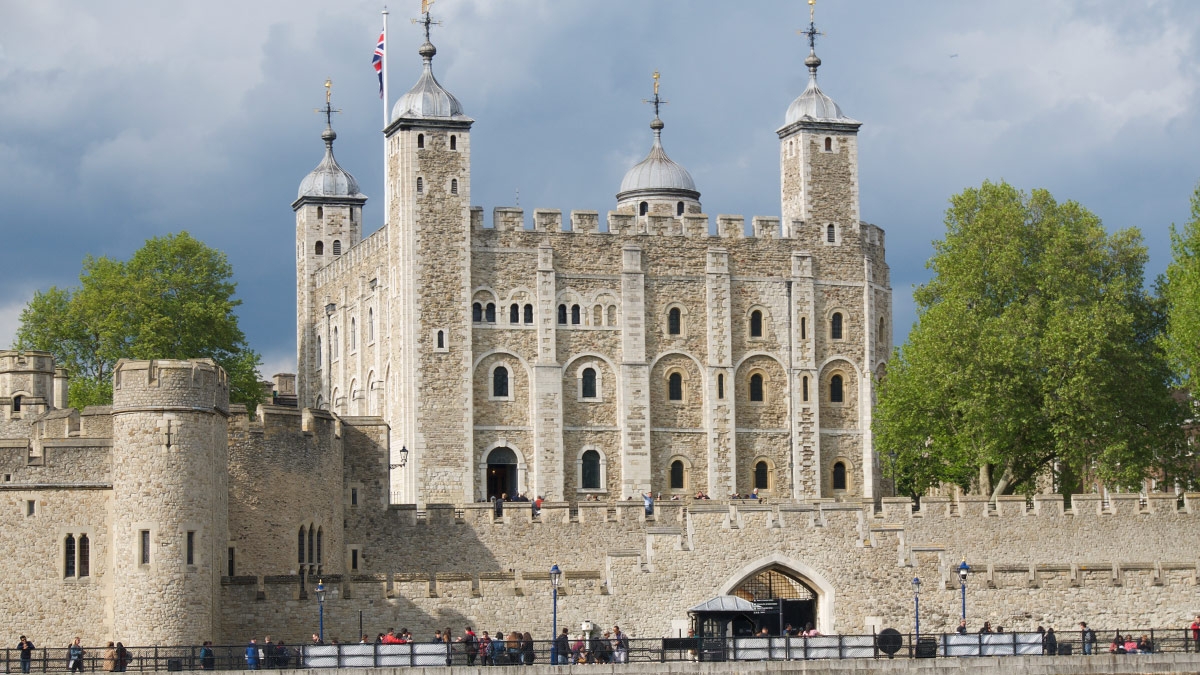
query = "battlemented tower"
{"x": 429, "y": 171}
{"x": 170, "y": 491}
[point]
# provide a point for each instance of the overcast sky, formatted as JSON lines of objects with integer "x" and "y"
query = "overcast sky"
{"x": 124, "y": 120}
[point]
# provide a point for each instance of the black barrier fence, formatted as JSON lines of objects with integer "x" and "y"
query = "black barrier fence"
{"x": 275, "y": 656}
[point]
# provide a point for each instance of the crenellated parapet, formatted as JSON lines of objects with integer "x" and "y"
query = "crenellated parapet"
{"x": 194, "y": 386}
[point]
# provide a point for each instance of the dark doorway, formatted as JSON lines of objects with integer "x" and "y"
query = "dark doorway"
{"x": 501, "y": 473}
{"x": 782, "y": 600}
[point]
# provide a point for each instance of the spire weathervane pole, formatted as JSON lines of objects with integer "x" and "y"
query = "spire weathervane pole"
{"x": 813, "y": 62}
{"x": 656, "y": 101}
{"x": 425, "y": 19}
{"x": 328, "y": 110}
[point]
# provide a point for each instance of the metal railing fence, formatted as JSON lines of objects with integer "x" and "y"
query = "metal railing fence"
{"x": 275, "y": 656}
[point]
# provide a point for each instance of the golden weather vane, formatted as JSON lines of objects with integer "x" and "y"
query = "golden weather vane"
{"x": 656, "y": 101}
{"x": 425, "y": 19}
{"x": 811, "y": 32}
{"x": 328, "y": 110}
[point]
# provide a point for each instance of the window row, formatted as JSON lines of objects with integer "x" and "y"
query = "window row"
{"x": 486, "y": 313}
{"x": 755, "y": 324}
{"x": 677, "y": 475}
{"x": 421, "y": 186}
{"x": 644, "y": 208}
{"x": 77, "y": 554}
{"x": 601, "y": 315}
{"x": 321, "y": 215}
{"x": 335, "y": 341}
{"x": 452, "y": 142}
{"x": 319, "y": 248}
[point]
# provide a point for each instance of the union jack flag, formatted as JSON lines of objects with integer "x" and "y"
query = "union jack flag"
{"x": 377, "y": 62}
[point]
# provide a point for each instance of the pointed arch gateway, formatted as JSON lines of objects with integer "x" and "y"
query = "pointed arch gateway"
{"x": 778, "y": 577}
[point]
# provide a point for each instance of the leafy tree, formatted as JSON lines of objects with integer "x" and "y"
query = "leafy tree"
{"x": 172, "y": 300}
{"x": 1182, "y": 293}
{"x": 1036, "y": 356}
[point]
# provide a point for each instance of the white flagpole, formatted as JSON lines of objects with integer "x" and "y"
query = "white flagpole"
{"x": 386, "y": 189}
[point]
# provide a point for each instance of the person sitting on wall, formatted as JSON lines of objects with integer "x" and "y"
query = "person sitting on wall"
{"x": 1130, "y": 644}
{"x": 1117, "y": 646}
{"x": 1144, "y": 646}
{"x": 962, "y": 627}
{"x": 811, "y": 631}
{"x": 390, "y": 638}
{"x": 987, "y": 627}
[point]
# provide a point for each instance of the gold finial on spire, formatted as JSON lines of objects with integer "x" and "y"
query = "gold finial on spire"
{"x": 425, "y": 19}
{"x": 328, "y": 110}
{"x": 812, "y": 10}
{"x": 656, "y": 101}
{"x": 655, "y": 76}
{"x": 426, "y": 3}
{"x": 328, "y": 89}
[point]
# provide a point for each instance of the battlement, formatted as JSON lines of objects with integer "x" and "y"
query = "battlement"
{"x": 199, "y": 385}
{"x": 13, "y": 361}
{"x": 698, "y": 225}
{"x": 364, "y": 249}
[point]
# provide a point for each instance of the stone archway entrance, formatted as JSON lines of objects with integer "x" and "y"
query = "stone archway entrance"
{"x": 781, "y": 599}
{"x": 501, "y": 473}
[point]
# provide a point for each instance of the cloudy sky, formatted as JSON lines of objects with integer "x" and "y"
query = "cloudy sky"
{"x": 123, "y": 120}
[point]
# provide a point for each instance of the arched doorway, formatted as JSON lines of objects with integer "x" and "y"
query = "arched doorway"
{"x": 501, "y": 473}
{"x": 782, "y": 599}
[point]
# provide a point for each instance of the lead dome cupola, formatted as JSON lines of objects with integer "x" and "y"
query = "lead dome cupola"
{"x": 428, "y": 98}
{"x": 658, "y": 177}
{"x": 329, "y": 179}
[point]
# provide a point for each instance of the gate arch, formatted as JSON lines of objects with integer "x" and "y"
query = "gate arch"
{"x": 822, "y": 590}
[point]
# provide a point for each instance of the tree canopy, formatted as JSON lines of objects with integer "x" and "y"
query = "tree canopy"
{"x": 1182, "y": 293}
{"x": 1036, "y": 356}
{"x": 173, "y": 299}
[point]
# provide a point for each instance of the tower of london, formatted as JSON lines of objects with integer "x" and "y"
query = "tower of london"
{"x": 449, "y": 358}
{"x": 654, "y": 349}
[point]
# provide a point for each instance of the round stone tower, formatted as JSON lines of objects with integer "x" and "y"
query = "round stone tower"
{"x": 26, "y": 384}
{"x": 170, "y": 500}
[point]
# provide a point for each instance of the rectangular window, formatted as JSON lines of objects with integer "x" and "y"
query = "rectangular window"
{"x": 191, "y": 548}
{"x": 354, "y": 559}
{"x": 85, "y": 554}
{"x": 353, "y": 496}
{"x": 144, "y": 553}
{"x": 30, "y": 507}
{"x": 230, "y": 569}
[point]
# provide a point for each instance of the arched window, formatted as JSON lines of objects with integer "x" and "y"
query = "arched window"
{"x": 830, "y": 234}
{"x": 803, "y": 328}
{"x": 335, "y": 347}
{"x": 420, "y": 141}
{"x": 828, "y": 144}
{"x": 674, "y": 321}
{"x": 69, "y": 556}
{"x": 337, "y": 247}
{"x": 762, "y": 476}
{"x": 319, "y": 542}
{"x": 756, "y": 388}
{"x": 320, "y": 352}
{"x": 835, "y": 389}
{"x": 441, "y": 339}
{"x": 311, "y": 542}
{"x": 353, "y": 335}
{"x": 588, "y": 386}
{"x": 679, "y": 209}
{"x": 320, "y": 212}
{"x": 319, "y": 249}
{"x": 675, "y": 387}
{"x": 500, "y": 382}
{"x": 300, "y": 547}
{"x": 612, "y": 315}
{"x": 528, "y": 313}
{"x": 489, "y": 312}
{"x": 643, "y": 208}
{"x": 16, "y": 403}
{"x": 514, "y": 313}
{"x": 575, "y": 315}
{"x": 562, "y": 315}
{"x": 477, "y": 312}
{"x": 85, "y": 555}
{"x": 756, "y": 324}
{"x": 598, "y": 315}
{"x": 804, "y": 388}
{"x": 835, "y": 326}
{"x": 453, "y": 186}
{"x": 453, "y": 142}
{"x": 839, "y": 476}
{"x": 677, "y": 475}
{"x": 721, "y": 386}
{"x": 370, "y": 324}
{"x": 420, "y": 185}
{"x": 590, "y": 479}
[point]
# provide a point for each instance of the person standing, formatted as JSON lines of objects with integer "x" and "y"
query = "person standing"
{"x": 75, "y": 654}
{"x": 562, "y": 646}
{"x": 962, "y": 627}
{"x": 621, "y": 640}
{"x": 208, "y": 660}
{"x": 252, "y": 655}
{"x": 268, "y": 649}
{"x": 1050, "y": 642}
{"x": 1087, "y": 637}
{"x": 1196, "y": 632}
{"x": 122, "y": 658}
{"x": 110, "y": 657}
{"x": 26, "y": 647}
{"x": 469, "y": 647}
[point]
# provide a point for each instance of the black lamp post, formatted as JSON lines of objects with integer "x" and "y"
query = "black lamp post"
{"x": 403, "y": 458}
{"x": 555, "y": 580}
{"x": 320, "y": 612}
{"x": 916, "y": 584}
{"x": 963, "y": 568}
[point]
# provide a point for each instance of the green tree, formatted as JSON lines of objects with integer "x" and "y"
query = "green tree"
{"x": 172, "y": 300}
{"x": 1036, "y": 355}
{"x": 1182, "y": 293}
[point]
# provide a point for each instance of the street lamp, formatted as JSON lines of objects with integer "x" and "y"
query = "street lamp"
{"x": 403, "y": 458}
{"x": 916, "y": 582}
{"x": 963, "y": 568}
{"x": 320, "y": 612}
{"x": 555, "y": 580}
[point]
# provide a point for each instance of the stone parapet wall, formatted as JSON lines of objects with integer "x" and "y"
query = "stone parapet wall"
{"x": 199, "y": 385}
